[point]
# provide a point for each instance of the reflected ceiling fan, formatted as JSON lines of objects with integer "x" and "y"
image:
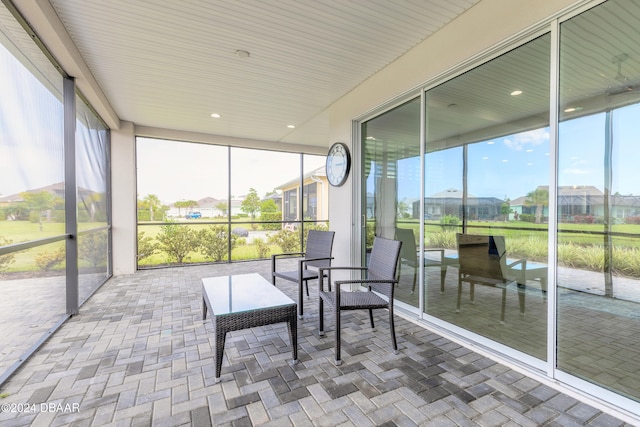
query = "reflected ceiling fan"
{"x": 625, "y": 86}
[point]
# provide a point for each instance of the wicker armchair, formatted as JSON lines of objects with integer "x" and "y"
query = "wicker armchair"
{"x": 317, "y": 255}
{"x": 380, "y": 280}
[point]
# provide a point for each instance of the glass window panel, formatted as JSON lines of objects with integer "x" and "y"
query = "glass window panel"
{"x": 316, "y": 189}
{"x": 91, "y": 167}
{"x": 31, "y": 142}
{"x": 91, "y": 173}
{"x": 391, "y": 143}
{"x": 257, "y": 177}
{"x": 598, "y": 199}
{"x": 33, "y": 284}
{"x": 486, "y": 174}
{"x": 182, "y": 188}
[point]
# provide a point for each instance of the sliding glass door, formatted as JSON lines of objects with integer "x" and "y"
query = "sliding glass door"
{"x": 391, "y": 166}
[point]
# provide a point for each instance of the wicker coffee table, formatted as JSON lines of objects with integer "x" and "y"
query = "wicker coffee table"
{"x": 246, "y": 301}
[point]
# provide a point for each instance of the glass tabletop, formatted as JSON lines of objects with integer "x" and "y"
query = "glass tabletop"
{"x": 240, "y": 293}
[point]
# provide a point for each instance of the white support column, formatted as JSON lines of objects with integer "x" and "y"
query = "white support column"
{"x": 123, "y": 190}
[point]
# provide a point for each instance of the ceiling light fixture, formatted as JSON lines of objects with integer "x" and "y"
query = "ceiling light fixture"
{"x": 291, "y": 126}
{"x": 215, "y": 115}
{"x": 242, "y": 53}
{"x": 516, "y": 93}
{"x": 572, "y": 109}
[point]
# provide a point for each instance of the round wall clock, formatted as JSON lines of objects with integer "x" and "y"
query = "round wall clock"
{"x": 338, "y": 164}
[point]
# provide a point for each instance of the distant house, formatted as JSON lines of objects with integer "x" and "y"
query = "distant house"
{"x": 583, "y": 200}
{"x": 88, "y": 200}
{"x": 449, "y": 202}
{"x": 315, "y": 197}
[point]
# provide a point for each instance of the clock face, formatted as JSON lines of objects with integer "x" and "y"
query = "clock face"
{"x": 338, "y": 164}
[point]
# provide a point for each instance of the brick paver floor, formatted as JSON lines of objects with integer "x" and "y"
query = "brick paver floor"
{"x": 139, "y": 354}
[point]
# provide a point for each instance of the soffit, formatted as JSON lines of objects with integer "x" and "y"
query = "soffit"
{"x": 171, "y": 64}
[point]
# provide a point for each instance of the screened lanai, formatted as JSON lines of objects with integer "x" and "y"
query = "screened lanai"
{"x": 126, "y": 124}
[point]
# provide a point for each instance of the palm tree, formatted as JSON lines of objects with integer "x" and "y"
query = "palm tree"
{"x": 538, "y": 198}
{"x": 153, "y": 202}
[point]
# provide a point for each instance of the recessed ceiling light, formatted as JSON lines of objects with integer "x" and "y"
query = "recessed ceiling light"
{"x": 242, "y": 53}
{"x": 570, "y": 110}
{"x": 491, "y": 142}
{"x": 215, "y": 115}
{"x": 291, "y": 126}
{"x": 516, "y": 93}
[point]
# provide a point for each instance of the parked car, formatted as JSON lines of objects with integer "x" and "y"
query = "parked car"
{"x": 193, "y": 215}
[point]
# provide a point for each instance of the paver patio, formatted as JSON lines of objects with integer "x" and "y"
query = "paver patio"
{"x": 139, "y": 354}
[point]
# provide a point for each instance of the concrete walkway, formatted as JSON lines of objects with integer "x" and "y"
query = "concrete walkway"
{"x": 139, "y": 354}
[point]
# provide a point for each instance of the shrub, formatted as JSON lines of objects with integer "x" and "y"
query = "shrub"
{"x": 7, "y": 259}
{"x": 262, "y": 247}
{"x": 584, "y": 219}
{"x": 214, "y": 241}
{"x": 449, "y": 222}
{"x": 146, "y": 246}
{"x": 632, "y": 220}
{"x": 92, "y": 247}
{"x": 271, "y": 216}
{"x": 445, "y": 238}
{"x": 46, "y": 261}
{"x": 34, "y": 217}
{"x": 177, "y": 241}
{"x": 288, "y": 241}
{"x": 528, "y": 218}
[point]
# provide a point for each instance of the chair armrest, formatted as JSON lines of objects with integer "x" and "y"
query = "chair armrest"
{"x": 441, "y": 250}
{"x": 522, "y": 261}
{"x": 436, "y": 250}
{"x": 283, "y": 256}
{"x": 288, "y": 255}
{"x": 330, "y": 269}
{"x": 317, "y": 259}
{"x": 365, "y": 281}
{"x": 368, "y": 283}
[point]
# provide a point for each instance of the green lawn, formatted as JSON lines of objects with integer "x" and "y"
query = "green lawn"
{"x": 579, "y": 245}
{"x": 25, "y": 231}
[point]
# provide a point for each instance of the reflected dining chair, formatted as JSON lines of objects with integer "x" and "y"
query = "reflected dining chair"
{"x": 483, "y": 261}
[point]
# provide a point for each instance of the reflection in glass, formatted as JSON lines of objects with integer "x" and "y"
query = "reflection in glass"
{"x": 486, "y": 174}
{"x": 32, "y": 185}
{"x": 598, "y": 198}
{"x": 33, "y": 299}
{"x": 92, "y": 182}
{"x": 391, "y": 146}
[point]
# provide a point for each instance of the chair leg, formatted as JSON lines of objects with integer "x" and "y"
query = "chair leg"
{"x": 393, "y": 331}
{"x": 371, "y": 319}
{"x": 415, "y": 277}
{"x": 504, "y": 304}
{"x": 459, "y": 295}
{"x": 306, "y": 284}
{"x": 320, "y": 317}
{"x": 338, "y": 359}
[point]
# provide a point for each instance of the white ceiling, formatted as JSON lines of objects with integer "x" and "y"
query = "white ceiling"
{"x": 170, "y": 64}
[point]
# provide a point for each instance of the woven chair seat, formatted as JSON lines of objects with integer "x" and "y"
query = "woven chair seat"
{"x": 355, "y": 300}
